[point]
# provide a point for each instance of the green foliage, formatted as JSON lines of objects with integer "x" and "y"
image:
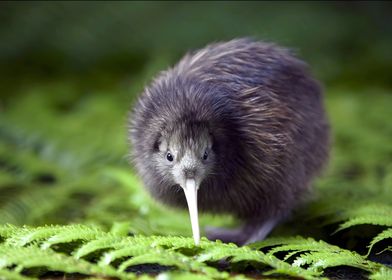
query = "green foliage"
{"x": 316, "y": 255}
{"x": 70, "y": 203}
{"x": 374, "y": 214}
{"x": 386, "y": 234}
{"x": 383, "y": 274}
{"x": 70, "y": 249}
{"x": 90, "y": 251}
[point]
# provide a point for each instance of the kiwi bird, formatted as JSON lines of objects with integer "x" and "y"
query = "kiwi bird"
{"x": 239, "y": 127}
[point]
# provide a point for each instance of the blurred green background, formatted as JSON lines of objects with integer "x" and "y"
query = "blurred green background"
{"x": 69, "y": 72}
{"x": 344, "y": 42}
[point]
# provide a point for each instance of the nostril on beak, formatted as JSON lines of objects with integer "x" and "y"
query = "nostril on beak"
{"x": 189, "y": 172}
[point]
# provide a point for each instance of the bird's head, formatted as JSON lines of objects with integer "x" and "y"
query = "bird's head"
{"x": 184, "y": 156}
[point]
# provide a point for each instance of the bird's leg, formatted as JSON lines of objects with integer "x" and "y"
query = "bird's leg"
{"x": 226, "y": 235}
{"x": 251, "y": 231}
{"x": 259, "y": 232}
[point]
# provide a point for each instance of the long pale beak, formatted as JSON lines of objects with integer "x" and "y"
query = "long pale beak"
{"x": 190, "y": 190}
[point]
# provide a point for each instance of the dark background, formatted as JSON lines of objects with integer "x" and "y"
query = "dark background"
{"x": 344, "y": 42}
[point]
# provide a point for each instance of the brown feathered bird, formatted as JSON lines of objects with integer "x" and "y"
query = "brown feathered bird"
{"x": 240, "y": 127}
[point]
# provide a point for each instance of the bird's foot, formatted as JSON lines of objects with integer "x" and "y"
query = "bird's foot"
{"x": 226, "y": 235}
{"x": 248, "y": 233}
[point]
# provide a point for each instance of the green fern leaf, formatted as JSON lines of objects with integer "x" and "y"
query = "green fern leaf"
{"x": 178, "y": 260}
{"x": 318, "y": 261}
{"x": 103, "y": 242}
{"x": 110, "y": 241}
{"x": 7, "y": 231}
{"x": 161, "y": 257}
{"x": 32, "y": 256}
{"x": 237, "y": 254}
{"x": 175, "y": 242}
{"x": 27, "y": 235}
{"x": 274, "y": 241}
{"x": 133, "y": 251}
{"x": 319, "y": 254}
{"x": 384, "y": 273}
{"x": 381, "y": 236}
{"x": 374, "y": 214}
{"x": 73, "y": 233}
{"x": 6, "y": 274}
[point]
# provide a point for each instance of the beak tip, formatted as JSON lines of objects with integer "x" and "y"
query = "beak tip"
{"x": 190, "y": 190}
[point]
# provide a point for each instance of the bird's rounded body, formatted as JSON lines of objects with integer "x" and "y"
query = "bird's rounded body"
{"x": 257, "y": 113}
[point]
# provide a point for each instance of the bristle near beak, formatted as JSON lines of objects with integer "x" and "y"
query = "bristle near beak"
{"x": 190, "y": 190}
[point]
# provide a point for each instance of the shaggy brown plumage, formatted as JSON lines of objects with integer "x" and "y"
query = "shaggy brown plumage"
{"x": 246, "y": 120}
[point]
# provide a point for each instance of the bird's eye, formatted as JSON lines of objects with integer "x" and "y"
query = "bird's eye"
{"x": 205, "y": 156}
{"x": 169, "y": 156}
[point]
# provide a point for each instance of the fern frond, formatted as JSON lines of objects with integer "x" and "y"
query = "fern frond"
{"x": 238, "y": 254}
{"x": 48, "y": 235}
{"x": 389, "y": 248}
{"x": 318, "y": 261}
{"x": 216, "y": 253}
{"x": 318, "y": 254}
{"x": 178, "y": 260}
{"x": 381, "y": 236}
{"x": 133, "y": 251}
{"x": 384, "y": 273}
{"x": 8, "y": 230}
{"x": 74, "y": 233}
{"x": 278, "y": 266}
{"x": 161, "y": 257}
{"x": 109, "y": 241}
{"x": 6, "y": 274}
{"x": 25, "y": 235}
{"x": 274, "y": 241}
{"x": 374, "y": 214}
{"x": 176, "y": 242}
{"x": 33, "y": 256}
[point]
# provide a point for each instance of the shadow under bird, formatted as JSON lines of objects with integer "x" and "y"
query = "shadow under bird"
{"x": 239, "y": 127}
